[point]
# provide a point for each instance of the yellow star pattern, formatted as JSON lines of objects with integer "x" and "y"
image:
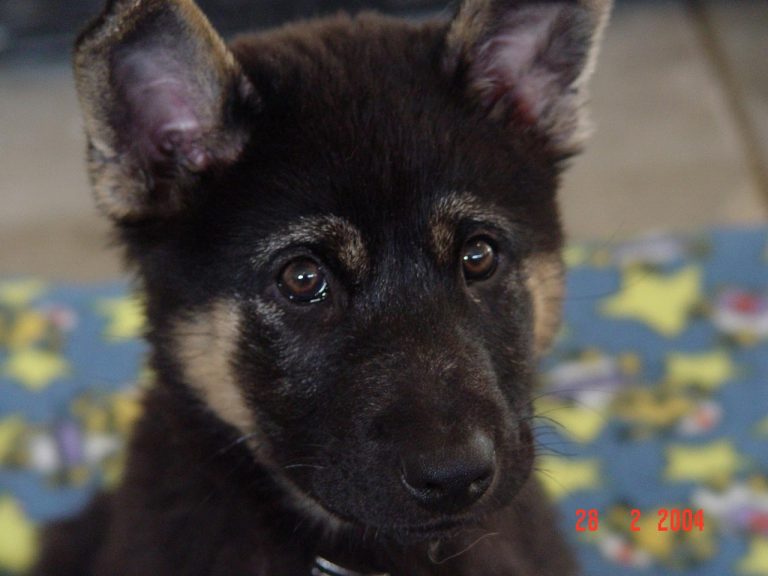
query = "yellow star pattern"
{"x": 19, "y": 542}
{"x": 17, "y": 293}
{"x": 29, "y": 327}
{"x": 575, "y": 255}
{"x": 11, "y": 429}
{"x": 642, "y": 406}
{"x": 127, "y": 409}
{"x": 755, "y": 563}
{"x": 661, "y": 301}
{"x": 580, "y": 423}
{"x": 125, "y": 317}
{"x": 34, "y": 368}
{"x": 761, "y": 428}
{"x": 715, "y": 462}
{"x": 561, "y": 476}
{"x": 658, "y": 544}
{"x": 708, "y": 371}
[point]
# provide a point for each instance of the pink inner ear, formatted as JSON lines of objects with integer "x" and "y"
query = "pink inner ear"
{"x": 163, "y": 112}
{"x": 512, "y": 59}
{"x": 521, "y": 62}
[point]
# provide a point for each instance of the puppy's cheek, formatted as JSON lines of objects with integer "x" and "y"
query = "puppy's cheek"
{"x": 525, "y": 449}
{"x": 515, "y": 462}
{"x": 545, "y": 282}
{"x": 205, "y": 343}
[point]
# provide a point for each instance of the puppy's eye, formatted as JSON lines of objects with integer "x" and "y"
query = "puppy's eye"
{"x": 478, "y": 259}
{"x": 303, "y": 281}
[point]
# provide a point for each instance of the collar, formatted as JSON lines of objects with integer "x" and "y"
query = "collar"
{"x": 323, "y": 567}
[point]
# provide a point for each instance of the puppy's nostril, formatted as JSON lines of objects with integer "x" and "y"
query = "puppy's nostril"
{"x": 480, "y": 485}
{"x": 450, "y": 479}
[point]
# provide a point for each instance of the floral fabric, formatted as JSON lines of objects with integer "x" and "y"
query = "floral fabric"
{"x": 653, "y": 408}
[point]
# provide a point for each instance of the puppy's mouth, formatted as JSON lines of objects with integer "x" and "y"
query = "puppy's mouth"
{"x": 403, "y": 534}
{"x": 437, "y": 530}
{"x": 421, "y": 499}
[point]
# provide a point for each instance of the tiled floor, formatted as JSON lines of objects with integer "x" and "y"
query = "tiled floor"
{"x": 680, "y": 101}
{"x": 740, "y": 29}
{"x": 668, "y": 152}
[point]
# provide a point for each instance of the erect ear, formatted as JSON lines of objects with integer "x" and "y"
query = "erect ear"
{"x": 529, "y": 60}
{"x": 163, "y": 101}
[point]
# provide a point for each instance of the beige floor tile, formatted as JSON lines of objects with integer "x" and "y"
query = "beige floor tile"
{"x": 740, "y": 29}
{"x": 42, "y": 146}
{"x": 666, "y": 153}
{"x": 48, "y": 224}
{"x": 66, "y": 249}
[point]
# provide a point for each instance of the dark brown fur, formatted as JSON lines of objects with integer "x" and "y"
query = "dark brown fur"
{"x": 277, "y": 432}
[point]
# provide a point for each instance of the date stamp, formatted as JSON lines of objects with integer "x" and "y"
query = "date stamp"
{"x": 670, "y": 520}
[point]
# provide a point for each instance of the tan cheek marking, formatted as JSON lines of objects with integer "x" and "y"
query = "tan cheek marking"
{"x": 546, "y": 283}
{"x": 205, "y": 345}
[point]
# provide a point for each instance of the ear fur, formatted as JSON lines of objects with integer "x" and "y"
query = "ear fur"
{"x": 529, "y": 60}
{"x": 160, "y": 95}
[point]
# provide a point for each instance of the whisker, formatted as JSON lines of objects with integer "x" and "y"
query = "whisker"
{"x": 437, "y": 562}
{"x": 236, "y": 442}
{"x": 292, "y": 466}
{"x": 549, "y": 475}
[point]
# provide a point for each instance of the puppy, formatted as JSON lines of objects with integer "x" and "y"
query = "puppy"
{"x": 347, "y": 237}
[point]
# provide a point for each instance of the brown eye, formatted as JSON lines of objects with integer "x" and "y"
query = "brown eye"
{"x": 303, "y": 281}
{"x": 478, "y": 258}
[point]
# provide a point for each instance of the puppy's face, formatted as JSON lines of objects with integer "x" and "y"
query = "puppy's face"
{"x": 348, "y": 236}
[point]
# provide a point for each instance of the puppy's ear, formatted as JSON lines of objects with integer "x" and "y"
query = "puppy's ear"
{"x": 163, "y": 101}
{"x": 529, "y": 60}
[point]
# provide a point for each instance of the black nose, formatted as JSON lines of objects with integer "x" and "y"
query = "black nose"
{"x": 451, "y": 478}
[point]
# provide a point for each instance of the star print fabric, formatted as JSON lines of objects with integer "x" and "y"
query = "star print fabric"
{"x": 655, "y": 398}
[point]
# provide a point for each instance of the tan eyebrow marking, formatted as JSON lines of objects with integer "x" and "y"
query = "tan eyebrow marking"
{"x": 337, "y": 233}
{"x": 452, "y": 209}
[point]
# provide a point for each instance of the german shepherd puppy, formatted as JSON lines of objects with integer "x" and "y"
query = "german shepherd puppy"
{"x": 347, "y": 236}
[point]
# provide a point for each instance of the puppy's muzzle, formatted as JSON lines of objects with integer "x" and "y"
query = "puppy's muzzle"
{"x": 450, "y": 478}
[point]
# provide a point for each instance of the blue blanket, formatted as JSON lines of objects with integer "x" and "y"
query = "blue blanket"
{"x": 653, "y": 411}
